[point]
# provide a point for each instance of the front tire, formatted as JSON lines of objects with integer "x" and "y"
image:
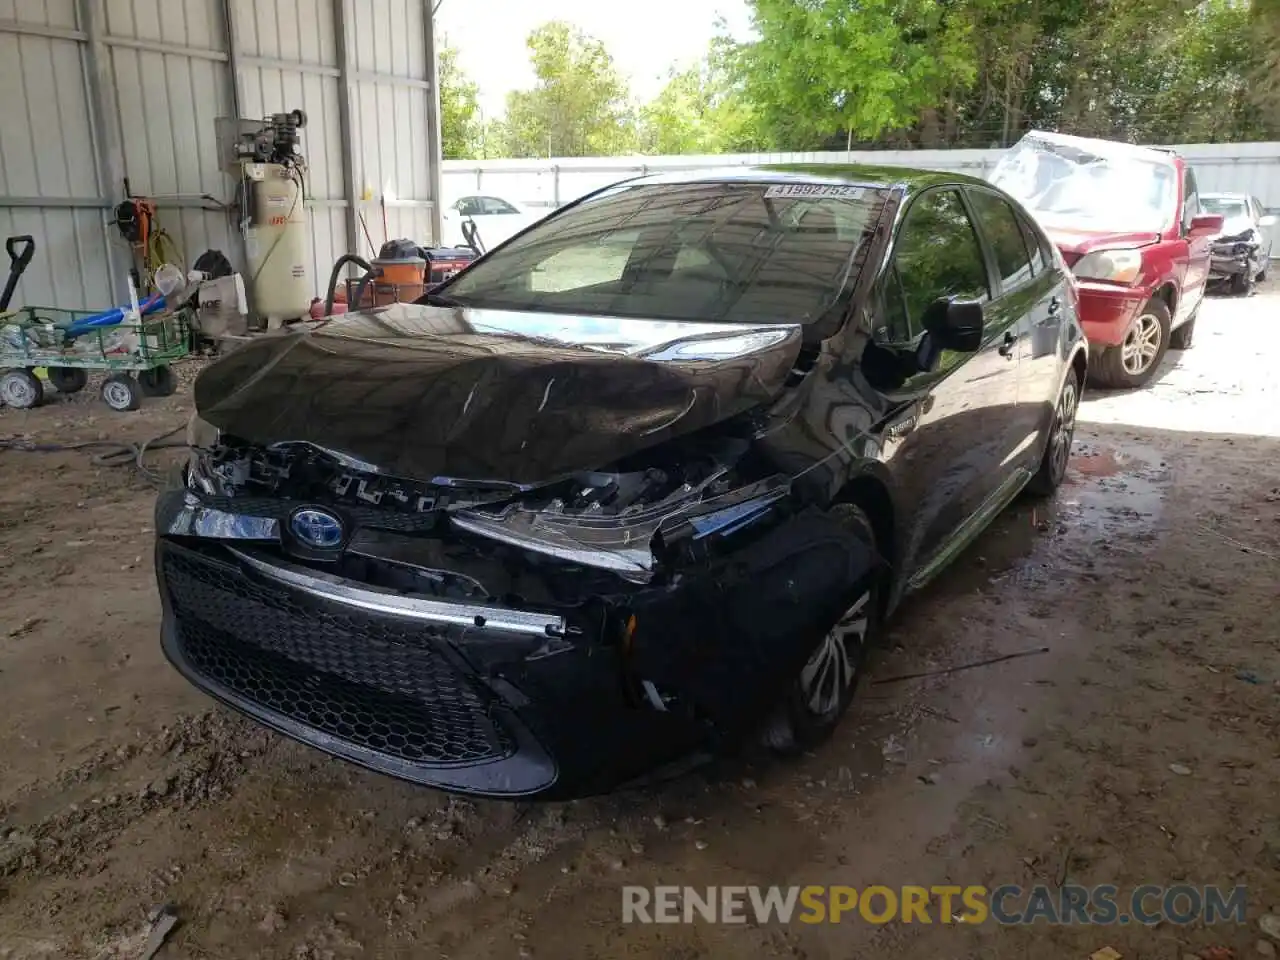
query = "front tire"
{"x": 1242, "y": 284}
{"x": 1134, "y": 362}
{"x": 21, "y": 389}
{"x": 824, "y": 687}
{"x": 1057, "y": 452}
{"x": 121, "y": 392}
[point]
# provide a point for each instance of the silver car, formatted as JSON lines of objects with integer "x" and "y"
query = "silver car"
{"x": 1242, "y": 251}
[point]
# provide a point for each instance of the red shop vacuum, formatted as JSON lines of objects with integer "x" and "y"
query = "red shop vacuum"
{"x": 401, "y": 273}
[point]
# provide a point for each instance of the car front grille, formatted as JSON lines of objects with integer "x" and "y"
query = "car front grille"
{"x": 377, "y": 682}
{"x": 373, "y": 518}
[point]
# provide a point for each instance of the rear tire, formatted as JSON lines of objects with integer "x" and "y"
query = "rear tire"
{"x": 158, "y": 382}
{"x": 821, "y": 693}
{"x": 68, "y": 379}
{"x": 1181, "y": 338}
{"x": 1057, "y": 451}
{"x": 1135, "y": 361}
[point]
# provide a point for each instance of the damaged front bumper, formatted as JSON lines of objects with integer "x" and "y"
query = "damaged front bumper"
{"x": 1232, "y": 259}
{"x": 443, "y": 693}
{"x": 490, "y": 679}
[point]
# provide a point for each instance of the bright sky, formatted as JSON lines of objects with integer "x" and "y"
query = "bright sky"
{"x": 645, "y": 38}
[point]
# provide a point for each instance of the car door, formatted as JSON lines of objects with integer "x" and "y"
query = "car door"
{"x": 1198, "y": 250}
{"x": 956, "y": 425}
{"x": 1033, "y": 293}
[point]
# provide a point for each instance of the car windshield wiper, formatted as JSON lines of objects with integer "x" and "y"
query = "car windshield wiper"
{"x": 441, "y": 300}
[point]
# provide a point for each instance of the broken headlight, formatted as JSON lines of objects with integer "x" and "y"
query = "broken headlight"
{"x": 625, "y": 543}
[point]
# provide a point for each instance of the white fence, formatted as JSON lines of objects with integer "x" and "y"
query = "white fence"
{"x": 1246, "y": 168}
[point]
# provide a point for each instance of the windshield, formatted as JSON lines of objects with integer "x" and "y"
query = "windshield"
{"x": 1229, "y": 207}
{"x": 722, "y": 252}
{"x": 1067, "y": 186}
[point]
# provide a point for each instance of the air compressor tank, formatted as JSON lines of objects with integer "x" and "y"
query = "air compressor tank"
{"x": 276, "y": 243}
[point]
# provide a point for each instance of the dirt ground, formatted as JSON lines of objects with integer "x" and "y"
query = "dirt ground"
{"x": 1152, "y": 580}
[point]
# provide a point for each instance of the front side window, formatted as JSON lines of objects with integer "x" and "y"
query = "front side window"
{"x": 717, "y": 252}
{"x": 1190, "y": 200}
{"x": 468, "y": 206}
{"x": 936, "y": 255}
{"x": 1008, "y": 243}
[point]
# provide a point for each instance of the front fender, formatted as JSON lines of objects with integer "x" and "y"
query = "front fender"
{"x": 730, "y": 638}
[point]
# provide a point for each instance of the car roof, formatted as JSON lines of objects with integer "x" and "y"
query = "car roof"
{"x": 904, "y": 179}
{"x": 1106, "y": 148}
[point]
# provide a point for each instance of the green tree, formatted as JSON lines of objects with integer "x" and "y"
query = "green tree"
{"x": 860, "y": 67}
{"x": 827, "y": 73}
{"x": 461, "y": 132}
{"x": 579, "y": 106}
{"x": 703, "y": 109}
{"x": 677, "y": 120}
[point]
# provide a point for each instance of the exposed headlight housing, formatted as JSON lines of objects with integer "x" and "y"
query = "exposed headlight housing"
{"x": 1122, "y": 265}
{"x": 201, "y": 435}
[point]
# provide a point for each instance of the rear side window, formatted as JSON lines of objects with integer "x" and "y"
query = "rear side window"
{"x": 1005, "y": 234}
{"x": 1041, "y": 255}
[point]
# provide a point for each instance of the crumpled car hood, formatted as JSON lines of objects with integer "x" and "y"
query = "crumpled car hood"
{"x": 1234, "y": 227}
{"x": 1081, "y": 239}
{"x": 431, "y": 392}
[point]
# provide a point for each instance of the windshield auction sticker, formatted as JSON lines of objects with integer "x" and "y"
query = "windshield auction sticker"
{"x": 813, "y": 190}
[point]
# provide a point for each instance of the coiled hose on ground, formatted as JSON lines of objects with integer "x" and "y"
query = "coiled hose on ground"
{"x": 111, "y": 453}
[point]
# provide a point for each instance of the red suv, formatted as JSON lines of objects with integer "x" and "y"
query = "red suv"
{"x": 1128, "y": 223}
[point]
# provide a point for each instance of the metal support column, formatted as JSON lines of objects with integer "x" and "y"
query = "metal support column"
{"x": 104, "y": 127}
{"x": 347, "y": 139}
{"x": 235, "y": 87}
{"x": 231, "y": 29}
{"x": 435, "y": 156}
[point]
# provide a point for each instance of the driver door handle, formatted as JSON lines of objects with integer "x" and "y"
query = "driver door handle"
{"x": 1006, "y": 348}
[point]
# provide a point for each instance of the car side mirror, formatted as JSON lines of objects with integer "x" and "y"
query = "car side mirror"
{"x": 955, "y": 324}
{"x": 949, "y": 324}
{"x": 1205, "y": 225}
{"x": 1268, "y": 220}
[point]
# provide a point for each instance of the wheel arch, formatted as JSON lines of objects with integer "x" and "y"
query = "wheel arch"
{"x": 1080, "y": 364}
{"x": 1168, "y": 292}
{"x": 872, "y": 494}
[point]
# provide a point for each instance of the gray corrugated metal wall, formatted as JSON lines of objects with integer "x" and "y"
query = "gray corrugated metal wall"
{"x": 99, "y": 90}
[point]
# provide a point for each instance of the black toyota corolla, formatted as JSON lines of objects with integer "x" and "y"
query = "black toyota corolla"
{"x": 640, "y": 483}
